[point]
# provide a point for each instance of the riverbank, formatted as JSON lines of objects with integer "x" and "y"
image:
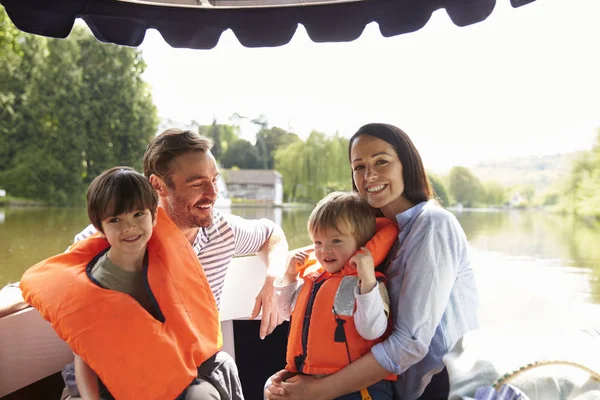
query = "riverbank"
{"x": 8, "y": 201}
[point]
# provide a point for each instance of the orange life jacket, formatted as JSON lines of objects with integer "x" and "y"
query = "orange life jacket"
{"x": 316, "y": 342}
{"x": 134, "y": 354}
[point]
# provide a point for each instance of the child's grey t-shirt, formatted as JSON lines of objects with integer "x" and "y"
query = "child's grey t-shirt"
{"x": 133, "y": 283}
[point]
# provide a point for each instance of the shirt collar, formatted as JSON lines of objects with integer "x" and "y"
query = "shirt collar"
{"x": 405, "y": 217}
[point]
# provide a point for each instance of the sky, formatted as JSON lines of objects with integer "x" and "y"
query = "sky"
{"x": 523, "y": 82}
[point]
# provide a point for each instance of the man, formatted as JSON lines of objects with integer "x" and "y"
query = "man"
{"x": 184, "y": 174}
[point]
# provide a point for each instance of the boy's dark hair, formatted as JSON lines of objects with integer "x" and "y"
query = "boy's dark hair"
{"x": 117, "y": 191}
{"x": 345, "y": 212}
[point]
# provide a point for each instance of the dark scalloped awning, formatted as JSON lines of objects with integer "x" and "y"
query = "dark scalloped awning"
{"x": 197, "y": 28}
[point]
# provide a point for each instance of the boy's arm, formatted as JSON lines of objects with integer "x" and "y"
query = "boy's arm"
{"x": 288, "y": 286}
{"x": 86, "y": 379}
{"x": 372, "y": 311}
{"x": 285, "y": 294}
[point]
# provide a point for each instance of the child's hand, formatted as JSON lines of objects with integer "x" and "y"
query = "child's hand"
{"x": 365, "y": 266}
{"x": 296, "y": 262}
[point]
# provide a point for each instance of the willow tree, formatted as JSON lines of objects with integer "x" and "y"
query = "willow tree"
{"x": 314, "y": 168}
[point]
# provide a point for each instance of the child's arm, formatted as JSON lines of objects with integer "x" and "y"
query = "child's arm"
{"x": 297, "y": 261}
{"x": 372, "y": 300}
{"x": 287, "y": 287}
{"x": 86, "y": 379}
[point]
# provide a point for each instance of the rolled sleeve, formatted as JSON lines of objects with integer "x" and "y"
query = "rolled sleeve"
{"x": 250, "y": 234}
{"x": 285, "y": 296}
{"x": 430, "y": 265}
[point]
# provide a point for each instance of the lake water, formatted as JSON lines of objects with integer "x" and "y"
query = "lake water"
{"x": 525, "y": 261}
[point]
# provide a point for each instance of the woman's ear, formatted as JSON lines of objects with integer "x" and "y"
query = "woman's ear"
{"x": 154, "y": 218}
{"x": 158, "y": 185}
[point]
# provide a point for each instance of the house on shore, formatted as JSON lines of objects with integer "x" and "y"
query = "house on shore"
{"x": 259, "y": 186}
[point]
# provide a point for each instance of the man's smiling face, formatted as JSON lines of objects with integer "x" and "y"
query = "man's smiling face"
{"x": 192, "y": 189}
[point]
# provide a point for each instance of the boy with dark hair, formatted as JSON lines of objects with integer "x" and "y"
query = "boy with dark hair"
{"x": 133, "y": 302}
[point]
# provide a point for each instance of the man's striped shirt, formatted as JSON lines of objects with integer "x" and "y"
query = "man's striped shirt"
{"x": 229, "y": 236}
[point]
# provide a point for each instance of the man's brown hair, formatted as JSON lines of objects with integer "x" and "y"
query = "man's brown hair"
{"x": 164, "y": 148}
{"x": 119, "y": 190}
{"x": 348, "y": 213}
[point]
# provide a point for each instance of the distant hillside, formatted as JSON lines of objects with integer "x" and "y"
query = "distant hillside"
{"x": 542, "y": 172}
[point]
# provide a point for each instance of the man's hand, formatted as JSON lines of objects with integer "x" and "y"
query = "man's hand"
{"x": 270, "y": 313}
{"x": 273, "y": 254}
{"x": 363, "y": 262}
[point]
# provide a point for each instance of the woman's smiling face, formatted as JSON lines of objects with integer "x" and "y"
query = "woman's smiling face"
{"x": 377, "y": 174}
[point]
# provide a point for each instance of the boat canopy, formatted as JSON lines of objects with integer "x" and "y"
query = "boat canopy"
{"x": 198, "y": 24}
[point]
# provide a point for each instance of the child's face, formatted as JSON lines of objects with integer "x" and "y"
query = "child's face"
{"x": 333, "y": 248}
{"x": 128, "y": 233}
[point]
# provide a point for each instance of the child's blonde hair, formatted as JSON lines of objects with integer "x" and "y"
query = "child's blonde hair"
{"x": 346, "y": 212}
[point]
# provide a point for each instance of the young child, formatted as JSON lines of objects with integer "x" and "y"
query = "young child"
{"x": 132, "y": 301}
{"x": 339, "y": 311}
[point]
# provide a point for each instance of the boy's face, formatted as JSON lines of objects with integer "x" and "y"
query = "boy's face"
{"x": 128, "y": 233}
{"x": 333, "y": 248}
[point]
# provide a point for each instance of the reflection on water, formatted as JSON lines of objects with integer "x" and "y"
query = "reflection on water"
{"x": 293, "y": 221}
{"x": 555, "y": 256}
{"x": 548, "y": 243}
{"x": 29, "y": 235}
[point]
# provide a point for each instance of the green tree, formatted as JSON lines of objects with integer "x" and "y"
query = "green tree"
{"x": 583, "y": 188}
{"x": 494, "y": 194}
{"x": 75, "y": 108}
{"x": 273, "y": 139}
{"x": 439, "y": 189}
{"x": 215, "y": 134}
{"x": 465, "y": 187}
{"x": 224, "y": 134}
{"x": 241, "y": 154}
{"x": 20, "y": 56}
{"x": 314, "y": 168}
{"x": 262, "y": 152}
{"x": 285, "y": 165}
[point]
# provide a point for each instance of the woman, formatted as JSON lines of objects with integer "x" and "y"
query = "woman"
{"x": 430, "y": 280}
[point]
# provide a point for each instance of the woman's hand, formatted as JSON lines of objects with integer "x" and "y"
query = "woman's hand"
{"x": 288, "y": 386}
{"x": 363, "y": 262}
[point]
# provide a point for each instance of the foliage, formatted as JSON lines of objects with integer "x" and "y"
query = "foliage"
{"x": 223, "y": 135}
{"x": 270, "y": 140}
{"x": 314, "y": 168}
{"x": 494, "y": 194}
{"x": 583, "y": 186}
{"x": 241, "y": 154}
{"x": 70, "y": 109}
{"x": 465, "y": 187}
{"x": 439, "y": 189}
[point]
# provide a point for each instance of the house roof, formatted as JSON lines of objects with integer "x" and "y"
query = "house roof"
{"x": 198, "y": 24}
{"x": 252, "y": 176}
